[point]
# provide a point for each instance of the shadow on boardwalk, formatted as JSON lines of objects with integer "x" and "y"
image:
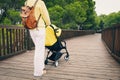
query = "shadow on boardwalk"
{"x": 89, "y": 60}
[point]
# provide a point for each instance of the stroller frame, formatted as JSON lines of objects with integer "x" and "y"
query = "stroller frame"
{"x": 55, "y": 49}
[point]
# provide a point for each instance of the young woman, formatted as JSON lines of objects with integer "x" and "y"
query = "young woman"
{"x": 38, "y": 35}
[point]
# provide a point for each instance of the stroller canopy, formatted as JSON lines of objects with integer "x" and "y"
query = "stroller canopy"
{"x": 52, "y": 32}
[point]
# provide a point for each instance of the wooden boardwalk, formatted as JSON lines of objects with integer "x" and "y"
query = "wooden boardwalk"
{"x": 89, "y": 60}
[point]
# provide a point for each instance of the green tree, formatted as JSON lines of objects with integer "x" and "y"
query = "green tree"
{"x": 6, "y": 6}
{"x": 73, "y": 15}
{"x": 56, "y": 14}
{"x": 111, "y": 19}
{"x": 101, "y": 24}
{"x": 90, "y": 15}
{"x": 68, "y": 14}
{"x": 6, "y": 21}
{"x": 13, "y": 15}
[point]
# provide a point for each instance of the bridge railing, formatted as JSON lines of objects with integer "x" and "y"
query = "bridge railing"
{"x": 15, "y": 40}
{"x": 111, "y": 37}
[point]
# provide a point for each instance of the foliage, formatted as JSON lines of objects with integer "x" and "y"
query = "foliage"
{"x": 9, "y": 9}
{"x": 111, "y": 19}
{"x": 73, "y": 13}
{"x": 7, "y": 21}
{"x": 67, "y": 14}
{"x": 13, "y": 16}
{"x": 56, "y": 14}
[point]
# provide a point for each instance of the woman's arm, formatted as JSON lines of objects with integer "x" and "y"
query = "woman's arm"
{"x": 45, "y": 14}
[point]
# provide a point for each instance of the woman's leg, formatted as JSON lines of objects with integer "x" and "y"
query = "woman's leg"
{"x": 38, "y": 37}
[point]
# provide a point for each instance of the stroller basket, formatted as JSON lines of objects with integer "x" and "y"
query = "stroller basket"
{"x": 56, "y": 47}
{"x": 55, "y": 56}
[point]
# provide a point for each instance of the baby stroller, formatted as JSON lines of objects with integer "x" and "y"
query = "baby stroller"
{"x": 55, "y": 45}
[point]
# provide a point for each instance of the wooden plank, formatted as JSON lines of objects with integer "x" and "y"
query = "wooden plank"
{"x": 2, "y": 77}
{"x": 89, "y": 60}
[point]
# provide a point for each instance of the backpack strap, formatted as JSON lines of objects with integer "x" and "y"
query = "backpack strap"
{"x": 38, "y": 18}
{"x": 40, "y": 14}
{"x": 35, "y": 3}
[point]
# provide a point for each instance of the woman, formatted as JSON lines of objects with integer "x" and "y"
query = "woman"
{"x": 38, "y": 35}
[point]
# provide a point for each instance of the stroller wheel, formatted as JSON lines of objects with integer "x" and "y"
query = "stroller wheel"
{"x": 66, "y": 57}
{"x": 46, "y": 62}
{"x": 56, "y": 63}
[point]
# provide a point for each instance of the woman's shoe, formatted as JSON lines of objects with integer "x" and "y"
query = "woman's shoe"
{"x": 44, "y": 71}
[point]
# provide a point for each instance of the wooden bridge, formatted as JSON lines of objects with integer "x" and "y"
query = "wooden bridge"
{"x": 89, "y": 60}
